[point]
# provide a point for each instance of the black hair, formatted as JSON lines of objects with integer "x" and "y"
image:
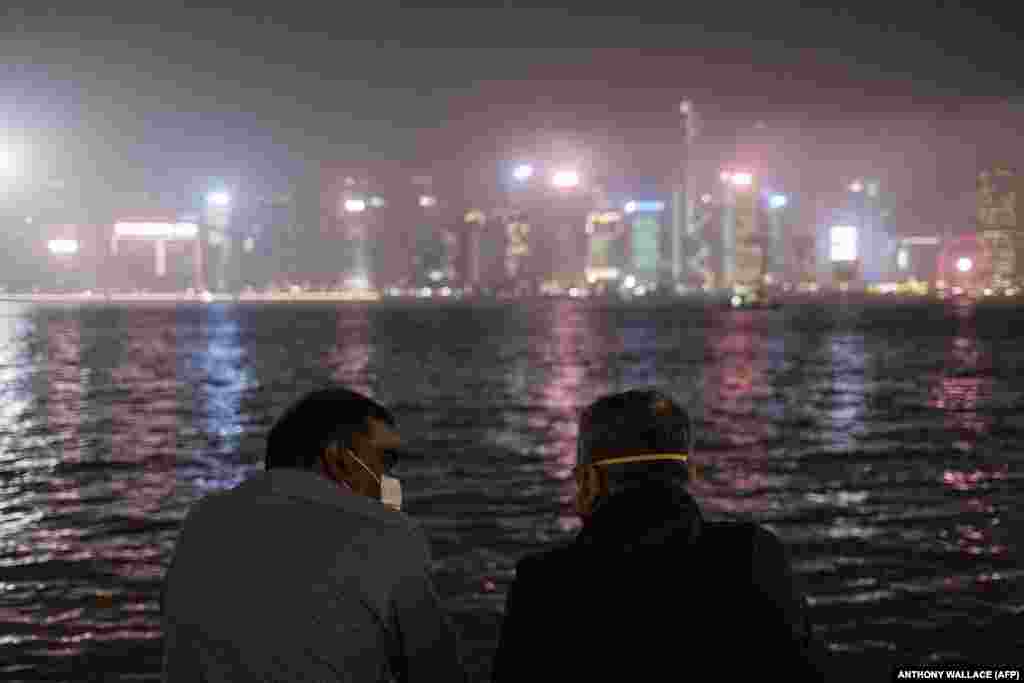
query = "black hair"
{"x": 636, "y": 422}
{"x": 332, "y": 414}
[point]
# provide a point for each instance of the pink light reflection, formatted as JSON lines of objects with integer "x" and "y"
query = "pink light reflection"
{"x": 66, "y": 378}
{"x": 561, "y": 400}
{"x": 351, "y": 354}
{"x": 968, "y": 481}
{"x": 959, "y": 394}
{"x": 145, "y": 422}
{"x": 734, "y": 382}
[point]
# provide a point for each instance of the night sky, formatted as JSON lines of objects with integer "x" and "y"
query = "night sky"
{"x": 920, "y": 95}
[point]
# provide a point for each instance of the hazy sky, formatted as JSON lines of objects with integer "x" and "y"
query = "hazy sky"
{"x": 155, "y": 92}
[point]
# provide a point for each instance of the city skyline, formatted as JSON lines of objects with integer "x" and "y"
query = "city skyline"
{"x": 127, "y": 99}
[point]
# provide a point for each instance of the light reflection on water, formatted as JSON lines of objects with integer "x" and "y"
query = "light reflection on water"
{"x": 885, "y": 454}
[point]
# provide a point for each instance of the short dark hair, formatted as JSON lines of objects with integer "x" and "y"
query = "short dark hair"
{"x": 334, "y": 413}
{"x": 636, "y": 422}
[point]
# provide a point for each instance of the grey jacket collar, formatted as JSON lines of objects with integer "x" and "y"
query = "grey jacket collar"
{"x": 314, "y": 488}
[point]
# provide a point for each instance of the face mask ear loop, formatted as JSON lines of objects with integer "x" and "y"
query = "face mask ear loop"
{"x": 375, "y": 477}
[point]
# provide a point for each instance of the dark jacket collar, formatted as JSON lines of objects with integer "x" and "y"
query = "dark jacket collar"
{"x": 636, "y": 520}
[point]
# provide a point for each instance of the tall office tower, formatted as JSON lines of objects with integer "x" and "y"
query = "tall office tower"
{"x": 683, "y": 195}
{"x": 606, "y": 248}
{"x": 644, "y": 218}
{"x": 998, "y": 225}
{"x": 742, "y": 249}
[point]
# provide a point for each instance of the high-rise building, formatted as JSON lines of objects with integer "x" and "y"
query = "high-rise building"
{"x": 343, "y": 254}
{"x": 854, "y": 246}
{"x": 645, "y": 220}
{"x": 153, "y": 249}
{"x": 517, "y": 246}
{"x": 607, "y": 239}
{"x": 998, "y": 222}
{"x": 383, "y": 225}
{"x": 742, "y": 248}
{"x": 916, "y": 258}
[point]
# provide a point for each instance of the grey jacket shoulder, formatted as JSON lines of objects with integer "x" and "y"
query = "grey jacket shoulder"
{"x": 393, "y": 528}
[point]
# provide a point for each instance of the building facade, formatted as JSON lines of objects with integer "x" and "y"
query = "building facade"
{"x": 742, "y": 250}
{"x": 854, "y": 248}
{"x": 998, "y": 222}
{"x": 383, "y": 225}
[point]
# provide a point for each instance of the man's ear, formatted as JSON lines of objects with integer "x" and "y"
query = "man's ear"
{"x": 590, "y": 485}
{"x": 695, "y": 471}
{"x": 334, "y": 463}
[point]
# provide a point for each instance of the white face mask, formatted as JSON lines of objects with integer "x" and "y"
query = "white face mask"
{"x": 390, "y": 487}
{"x": 391, "y": 492}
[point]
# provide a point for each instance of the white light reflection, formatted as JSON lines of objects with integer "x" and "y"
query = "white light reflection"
{"x": 350, "y": 356}
{"x": 16, "y": 329}
{"x": 66, "y": 379}
{"x": 227, "y": 455}
{"x": 844, "y": 395}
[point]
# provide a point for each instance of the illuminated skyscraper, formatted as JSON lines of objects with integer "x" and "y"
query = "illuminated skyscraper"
{"x": 684, "y": 201}
{"x": 383, "y": 225}
{"x": 606, "y": 242}
{"x": 517, "y": 245}
{"x": 742, "y": 253}
{"x": 998, "y": 223}
{"x": 644, "y": 218}
{"x": 855, "y": 249}
{"x": 342, "y": 254}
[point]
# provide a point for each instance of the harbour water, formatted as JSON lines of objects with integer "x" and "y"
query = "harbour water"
{"x": 882, "y": 442}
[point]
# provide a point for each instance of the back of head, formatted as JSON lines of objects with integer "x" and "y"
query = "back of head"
{"x": 299, "y": 436}
{"x": 634, "y": 424}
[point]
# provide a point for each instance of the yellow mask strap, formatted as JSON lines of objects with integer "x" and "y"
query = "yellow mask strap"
{"x": 680, "y": 457}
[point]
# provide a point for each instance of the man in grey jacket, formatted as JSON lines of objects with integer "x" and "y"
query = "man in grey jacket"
{"x": 308, "y": 571}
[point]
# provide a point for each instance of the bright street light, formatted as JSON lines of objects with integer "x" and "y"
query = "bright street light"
{"x": 63, "y": 246}
{"x": 902, "y": 259}
{"x": 645, "y": 206}
{"x": 964, "y": 264}
{"x": 219, "y": 199}
{"x": 856, "y": 186}
{"x": 742, "y": 179}
{"x": 566, "y": 179}
{"x": 523, "y": 172}
{"x": 358, "y": 282}
{"x": 778, "y": 201}
{"x": 427, "y": 201}
{"x": 355, "y": 205}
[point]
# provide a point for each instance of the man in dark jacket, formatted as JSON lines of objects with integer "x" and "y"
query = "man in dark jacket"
{"x": 648, "y": 588}
{"x": 308, "y": 572}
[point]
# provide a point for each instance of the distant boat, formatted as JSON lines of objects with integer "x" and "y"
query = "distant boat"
{"x": 753, "y": 299}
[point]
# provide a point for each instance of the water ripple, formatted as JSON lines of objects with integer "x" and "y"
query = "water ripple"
{"x": 886, "y": 457}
